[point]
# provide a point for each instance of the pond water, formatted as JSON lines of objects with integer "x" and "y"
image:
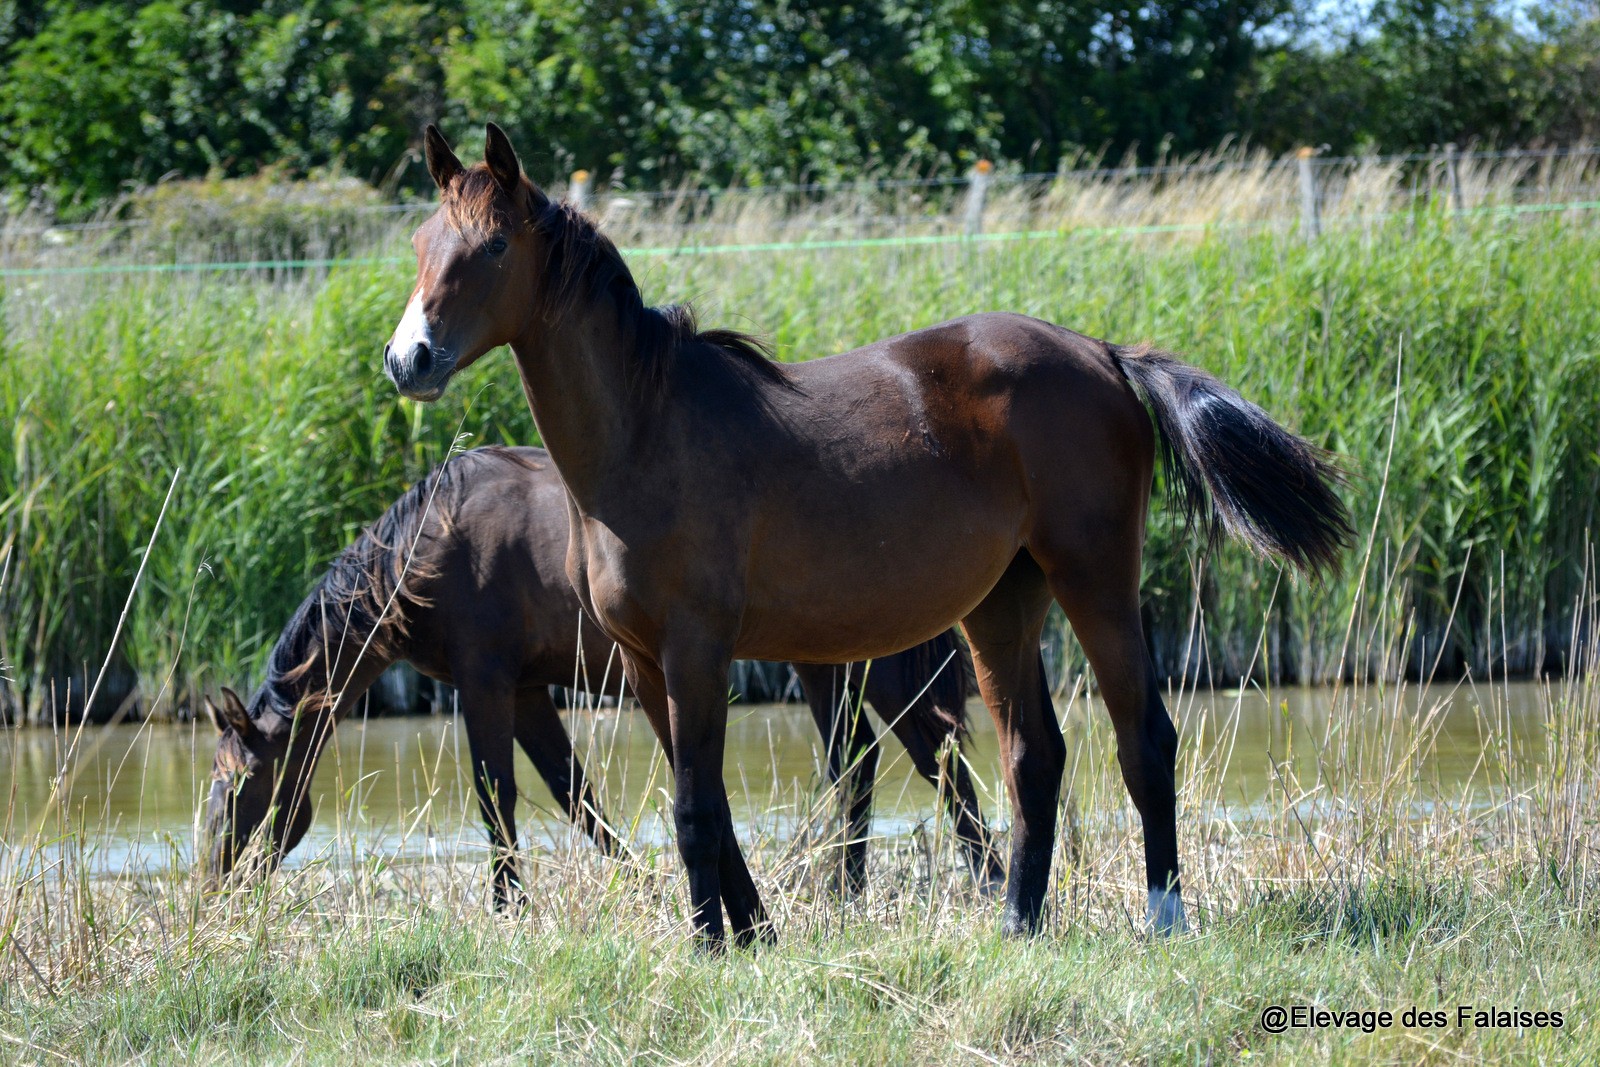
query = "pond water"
{"x": 399, "y": 787}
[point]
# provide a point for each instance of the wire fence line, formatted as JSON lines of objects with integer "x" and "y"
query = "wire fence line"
{"x": 730, "y": 249}
{"x": 1222, "y": 164}
{"x": 1229, "y": 191}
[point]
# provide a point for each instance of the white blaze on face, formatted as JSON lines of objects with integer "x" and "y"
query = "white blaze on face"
{"x": 413, "y": 328}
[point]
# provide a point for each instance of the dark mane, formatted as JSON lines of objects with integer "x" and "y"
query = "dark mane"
{"x": 941, "y": 710}
{"x": 356, "y": 598}
{"x": 582, "y": 264}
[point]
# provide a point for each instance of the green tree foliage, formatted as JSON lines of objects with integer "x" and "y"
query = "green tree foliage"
{"x": 1117, "y": 75}
{"x": 765, "y": 90}
{"x": 72, "y": 101}
{"x": 95, "y": 97}
{"x": 104, "y": 96}
{"x": 1424, "y": 72}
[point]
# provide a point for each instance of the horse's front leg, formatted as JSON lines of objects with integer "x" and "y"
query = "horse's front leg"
{"x": 697, "y": 716}
{"x": 696, "y": 677}
{"x": 690, "y": 721}
{"x": 542, "y": 736}
{"x": 852, "y": 756}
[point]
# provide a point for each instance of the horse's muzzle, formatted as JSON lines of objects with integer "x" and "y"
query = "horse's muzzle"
{"x": 419, "y": 372}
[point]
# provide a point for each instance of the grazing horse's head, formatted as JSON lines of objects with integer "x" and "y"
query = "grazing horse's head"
{"x": 253, "y": 778}
{"x": 475, "y": 256}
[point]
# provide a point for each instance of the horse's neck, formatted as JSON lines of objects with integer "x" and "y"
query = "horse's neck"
{"x": 337, "y": 676}
{"x": 577, "y": 378}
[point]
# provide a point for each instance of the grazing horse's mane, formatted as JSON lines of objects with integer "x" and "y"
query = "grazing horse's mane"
{"x": 583, "y": 264}
{"x": 357, "y": 598}
{"x": 945, "y": 698}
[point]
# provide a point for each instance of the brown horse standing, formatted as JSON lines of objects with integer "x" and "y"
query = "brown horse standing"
{"x": 464, "y": 577}
{"x": 844, "y": 508}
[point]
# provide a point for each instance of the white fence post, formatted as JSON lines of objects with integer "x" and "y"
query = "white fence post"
{"x": 976, "y": 192}
{"x": 1310, "y": 215}
{"x": 1453, "y": 172}
{"x": 578, "y": 191}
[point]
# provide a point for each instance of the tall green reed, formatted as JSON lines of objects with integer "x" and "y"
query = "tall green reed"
{"x": 1462, "y": 353}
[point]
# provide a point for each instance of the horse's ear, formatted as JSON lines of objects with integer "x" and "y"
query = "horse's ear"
{"x": 231, "y": 714}
{"x": 214, "y": 713}
{"x": 502, "y": 159}
{"x": 442, "y": 162}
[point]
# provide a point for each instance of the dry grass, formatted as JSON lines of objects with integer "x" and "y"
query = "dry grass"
{"x": 1363, "y": 883}
{"x": 265, "y": 219}
{"x": 1235, "y": 189}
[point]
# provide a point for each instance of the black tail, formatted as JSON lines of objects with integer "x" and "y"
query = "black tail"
{"x": 941, "y": 711}
{"x": 1230, "y": 466}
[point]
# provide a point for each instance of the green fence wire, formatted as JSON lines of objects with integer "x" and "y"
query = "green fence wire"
{"x": 770, "y": 246}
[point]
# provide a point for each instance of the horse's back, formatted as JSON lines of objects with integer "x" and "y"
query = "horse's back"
{"x": 976, "y": 354}
{"x": 923, "y": 454}
{"x": 984, "y": 396}
{"x": 502, "y": 595}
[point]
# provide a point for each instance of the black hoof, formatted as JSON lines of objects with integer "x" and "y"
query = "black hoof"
{"x": 508, "y": 896}
{"x": 1016, "y": 924}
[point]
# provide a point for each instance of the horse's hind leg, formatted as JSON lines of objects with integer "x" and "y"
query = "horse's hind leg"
{"x": 1004, "y": 633}
{"x": 1100, "y": 595}
{"x": 488, "y": 709}
{"x": 545, "y": 740}
{"x": 852, "y": 756}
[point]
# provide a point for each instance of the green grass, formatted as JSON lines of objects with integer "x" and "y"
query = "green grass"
{"x": 442, "y": 991}
{"x": 268, "y": 394}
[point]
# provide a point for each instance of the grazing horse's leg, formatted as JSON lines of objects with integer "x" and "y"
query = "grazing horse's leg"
{"x": 716, "y": 878}
{"x": 852, "y": 754}
{"x": 543, "y": 737}
{"x": 1003, "y": 631}
{"x": 955, "y": 787}
{"x": 1103, "y": 607}
{"x": 488, "y": 710}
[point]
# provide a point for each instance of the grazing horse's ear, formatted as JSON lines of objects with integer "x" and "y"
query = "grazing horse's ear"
{"x": 442, "y": 162}
{"x": 232, "y": 714}
{"x": 214, "y": 713}
{"x": 502, "y": 159}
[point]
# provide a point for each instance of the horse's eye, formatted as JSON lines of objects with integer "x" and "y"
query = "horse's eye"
{"x": 496, "y": 247}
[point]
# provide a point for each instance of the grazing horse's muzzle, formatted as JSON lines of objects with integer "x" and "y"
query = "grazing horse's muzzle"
{"x": 419, "y": 371}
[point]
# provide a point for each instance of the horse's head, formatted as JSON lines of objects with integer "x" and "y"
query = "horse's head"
{"x": 252, "y": 778}
{"x": 475, "y": 256}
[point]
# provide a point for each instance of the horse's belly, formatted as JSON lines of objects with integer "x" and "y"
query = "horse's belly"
{"x": 868, "y": 585}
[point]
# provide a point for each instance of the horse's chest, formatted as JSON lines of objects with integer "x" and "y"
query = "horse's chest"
{"x": 635, "y": 583}
{"x": 615, "y": 586}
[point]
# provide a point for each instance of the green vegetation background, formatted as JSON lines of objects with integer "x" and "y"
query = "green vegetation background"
{"x": 1478, "y": 337}
{"x": 268, "y": 393}
{"x": 95, "y": 98}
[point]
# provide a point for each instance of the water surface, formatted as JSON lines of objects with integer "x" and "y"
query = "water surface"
{"x": 399, "y": 787}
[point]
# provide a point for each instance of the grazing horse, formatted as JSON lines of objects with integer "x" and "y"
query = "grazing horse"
{"x": 464, "y": 578}
{"x": 844, "y": 508}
